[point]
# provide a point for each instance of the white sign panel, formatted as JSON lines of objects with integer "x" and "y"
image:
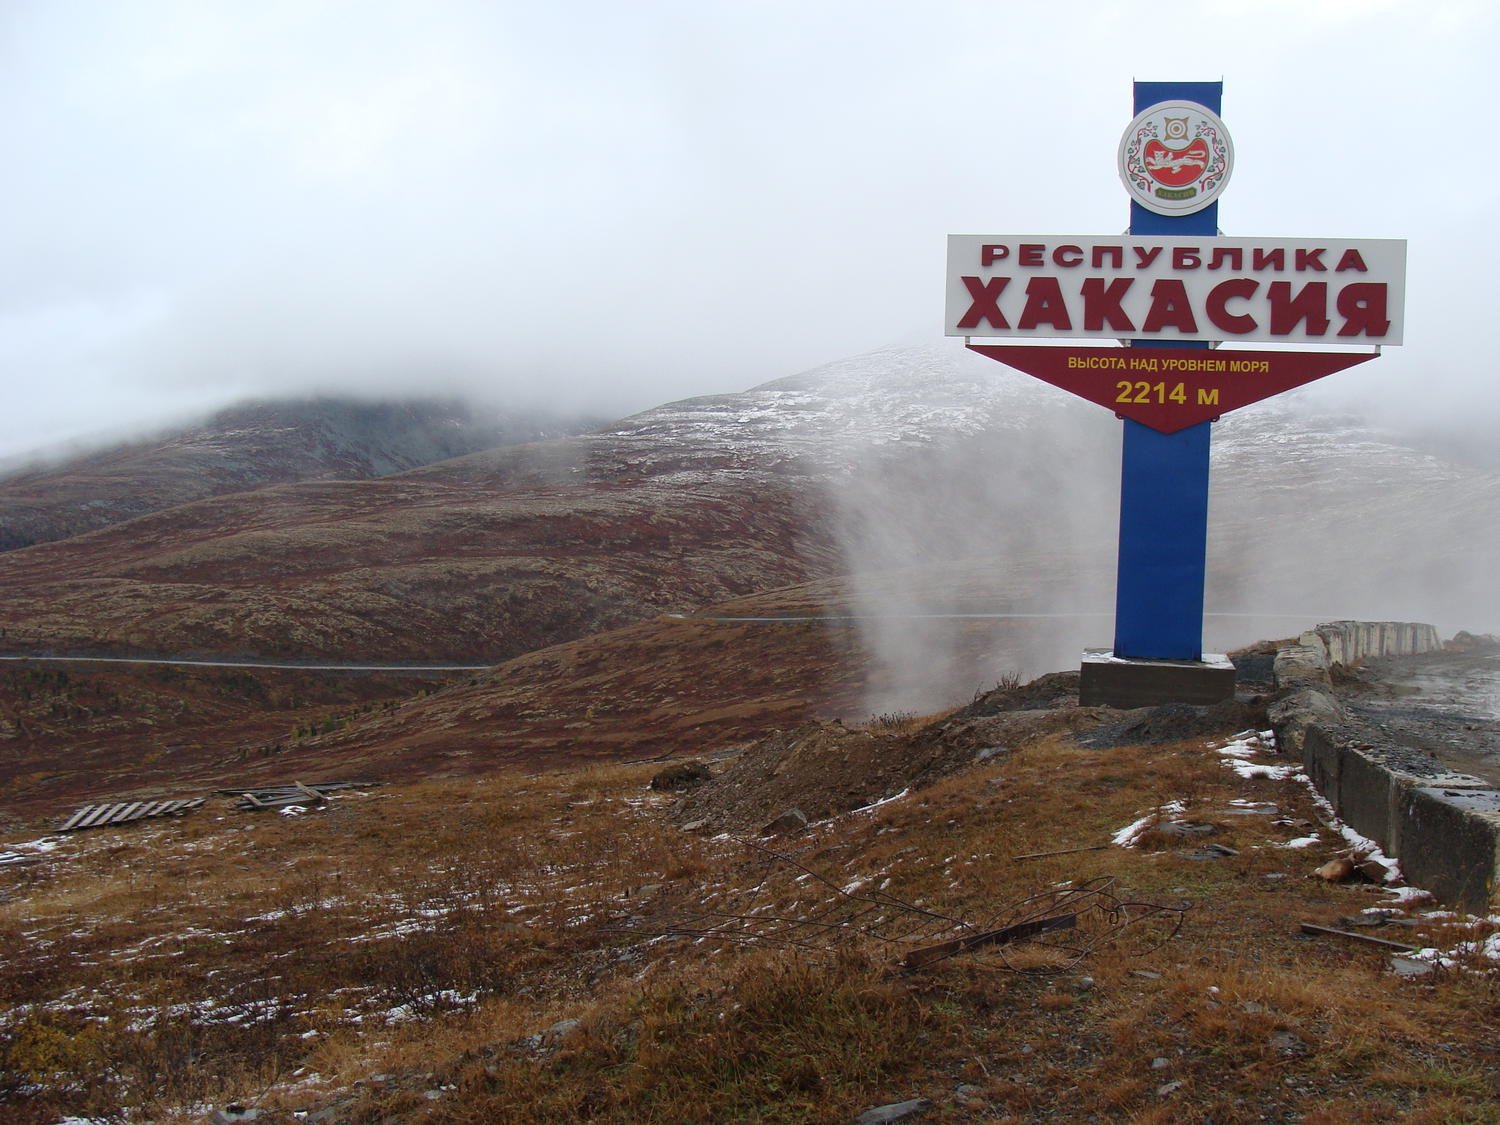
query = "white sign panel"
{"x": 1280, "y": 291}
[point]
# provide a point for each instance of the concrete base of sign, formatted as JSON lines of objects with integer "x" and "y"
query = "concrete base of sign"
{"x": 1108, "y": 680}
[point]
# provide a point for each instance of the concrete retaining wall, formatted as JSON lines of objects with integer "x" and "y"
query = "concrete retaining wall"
{"x": 1345, "y": 642}
{"x": 1443, "y": 826}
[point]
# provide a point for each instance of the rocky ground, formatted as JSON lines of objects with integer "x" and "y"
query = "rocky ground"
{"x": 1444, "y": 704}
{"x": 621, "y": 943}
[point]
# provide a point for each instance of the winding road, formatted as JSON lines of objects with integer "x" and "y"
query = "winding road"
{"x": 261, "y": 665}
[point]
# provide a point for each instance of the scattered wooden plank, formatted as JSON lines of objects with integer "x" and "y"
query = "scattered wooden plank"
{"x": 127, "y": 812}
{"x": 72, "y": 821}
{"x": 100, "y": 814}
{"x": 255, "y": 802}
{"x": 282, "y": 796}
{"x": 1328, "y": 931}
{"x": 169, "y": 808}
{"x": 311, "y": 793}
{"x": 324, "y": 787}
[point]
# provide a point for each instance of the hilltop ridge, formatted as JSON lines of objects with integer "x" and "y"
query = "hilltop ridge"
{"x": 249, "y": 446}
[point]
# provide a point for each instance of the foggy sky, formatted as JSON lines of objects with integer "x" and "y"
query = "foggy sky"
{"x": 612, "y": 205}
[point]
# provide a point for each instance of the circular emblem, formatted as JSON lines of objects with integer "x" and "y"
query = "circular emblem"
{"x": 1175, "y": 158}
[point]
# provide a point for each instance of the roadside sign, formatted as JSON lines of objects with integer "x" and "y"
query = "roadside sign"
{"x": 1168, "y": 290}
{"x": 1170, "y": 389}
{"x": 1256, "y": 290}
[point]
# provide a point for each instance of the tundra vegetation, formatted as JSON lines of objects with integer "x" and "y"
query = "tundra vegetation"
{"x": 509, "y": 948}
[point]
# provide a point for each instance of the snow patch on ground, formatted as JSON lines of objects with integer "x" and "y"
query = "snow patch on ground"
{"x": 1481, "y": 947}
{"x": 885, "y": 800}
{"x": 1127, "y": 836}
{"x": 1247, "y": 745}
{"x": 1239, "y": 753}
{"x": 1402, "y": 895}
{"x": 26, "y": 849}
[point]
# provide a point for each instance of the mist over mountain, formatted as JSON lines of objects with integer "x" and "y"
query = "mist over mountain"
{"x": 250, "y": 446}
{"x": 922, "y": 481}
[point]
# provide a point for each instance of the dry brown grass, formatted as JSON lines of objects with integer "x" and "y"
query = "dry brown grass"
{"x": 402, "y": 955}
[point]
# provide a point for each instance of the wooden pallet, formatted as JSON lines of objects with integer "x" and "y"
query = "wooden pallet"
{"x": 124, "y": 812}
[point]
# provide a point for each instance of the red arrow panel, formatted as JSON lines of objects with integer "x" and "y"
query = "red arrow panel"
{"x": 1170, "y": 389}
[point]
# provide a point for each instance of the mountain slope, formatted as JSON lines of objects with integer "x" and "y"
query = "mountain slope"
{"x": 510, "y": 549}
{"x": 890, "y": 505}
{"x": 891, "y": 468}
{"x": 248, "y": 447}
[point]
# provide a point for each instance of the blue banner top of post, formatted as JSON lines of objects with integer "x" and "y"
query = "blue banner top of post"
{"x": 1210, "y": 95}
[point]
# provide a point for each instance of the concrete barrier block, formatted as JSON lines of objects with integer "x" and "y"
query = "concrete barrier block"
{"x": 1320, "y": 758}
{"x": 1367, "y": 791}
{"x": 1451, "y": 844}
{"x": 1293, "y": 714}
{"x": 1301, "y": 666}
{"x": 1349, "y": 641}
{"x": 1335, "y": 639}
{"x": 1373, "y": 784}
{"x": 1443, "y": 826}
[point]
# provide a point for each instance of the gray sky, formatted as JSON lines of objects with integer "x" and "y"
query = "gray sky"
{"x": 615, "y": 204}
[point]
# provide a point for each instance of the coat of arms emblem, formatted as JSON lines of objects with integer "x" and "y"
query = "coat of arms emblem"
{"x": 1175, "y": 158}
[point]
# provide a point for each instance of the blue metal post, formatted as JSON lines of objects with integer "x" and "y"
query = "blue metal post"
{"x": 1164, "y": 477}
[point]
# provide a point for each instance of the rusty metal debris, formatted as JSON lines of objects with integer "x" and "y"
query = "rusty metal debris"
{"x": 1021, "y": 931}
{"x": 1056, "y": 927}
{"x": 124, "y": 812}
{"x": 1069, "y": 921}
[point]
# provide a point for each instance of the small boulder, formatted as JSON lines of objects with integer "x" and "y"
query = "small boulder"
{"x": 1186, "y": 828}
{"x": 1208, "y": 853}
{"x": 679, "y": 776}
{"x": 793, "y": 820}
{"x": 969, "y": 1096}
{"x": 1411, "y": 967}
{"x": 1373, "y": 870}
{"x": 895, "y": 1111}
{"x": 562, "y": 1031}
{"x": 1289, "y": 1045}
{"x": 1338, "y": 870}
